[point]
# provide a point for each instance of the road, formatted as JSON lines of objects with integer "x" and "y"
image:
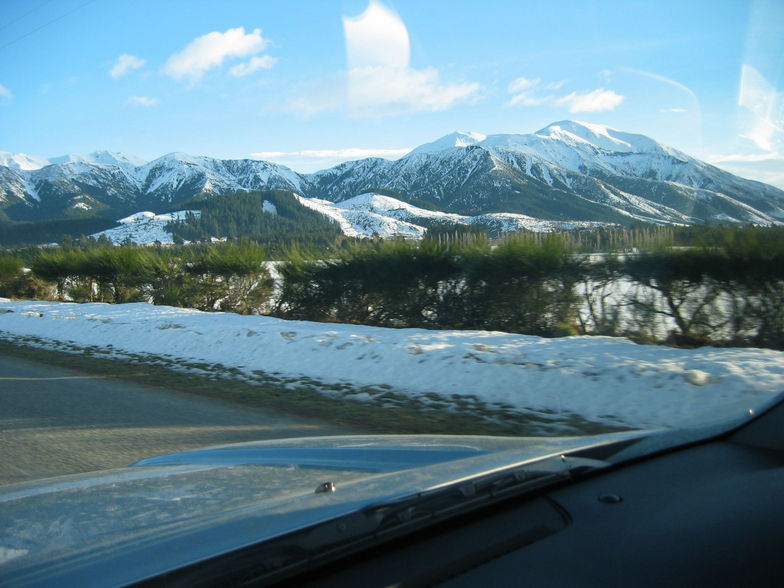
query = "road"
{"x": 57, "y": 421}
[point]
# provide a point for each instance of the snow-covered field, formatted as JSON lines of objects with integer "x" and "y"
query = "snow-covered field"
{"x": 605, "y": 380}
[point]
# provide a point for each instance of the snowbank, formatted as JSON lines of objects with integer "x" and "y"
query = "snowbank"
{"x": 602, "y": 379}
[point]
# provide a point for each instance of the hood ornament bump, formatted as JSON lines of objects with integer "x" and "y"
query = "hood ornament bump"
{"x": 325, "y": 488}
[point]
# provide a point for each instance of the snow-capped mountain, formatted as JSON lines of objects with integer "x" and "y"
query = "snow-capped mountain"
{"x": 116, "y": 184}
{"x": 21, "y": 161}
{"x": 101, "y": 158}
{"x": 567, "y": 171}
{"x": 30, "y": 162}
{"x": 456, "y": 139}
{"x": 177, "y": 176}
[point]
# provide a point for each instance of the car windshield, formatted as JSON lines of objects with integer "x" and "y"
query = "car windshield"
{"x": 523, "y": 222}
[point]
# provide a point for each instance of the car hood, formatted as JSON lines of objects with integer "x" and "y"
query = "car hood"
{"x": 168, "y": 511}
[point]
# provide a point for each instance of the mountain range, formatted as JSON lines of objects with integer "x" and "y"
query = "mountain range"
{"x": 567, "y": 171}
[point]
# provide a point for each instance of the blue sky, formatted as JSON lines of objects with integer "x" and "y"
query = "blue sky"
{"x": 308, "y": 83}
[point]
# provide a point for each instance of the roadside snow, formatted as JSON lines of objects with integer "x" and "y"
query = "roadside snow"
{"x": 601, "y": 379}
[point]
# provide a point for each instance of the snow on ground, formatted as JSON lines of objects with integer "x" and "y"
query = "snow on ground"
{"x": 601, "y": 379}
{"x": 363, "y": 223}
{"x": 144, "y": 227}
{"x": 368, "y": 215}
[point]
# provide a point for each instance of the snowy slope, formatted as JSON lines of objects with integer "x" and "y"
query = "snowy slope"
{"x": 456, "y": 139}
{"x": 15, "y": 187}
{"x": 358, "y": 221}
{"x": 101, "y": 158}
{"x": 144, "y": 227}
{"x": 375, "y": 214}
{"x": 557, "y": 382}
{"x": 178, "y": 176}
{"x": 21, "y": 161}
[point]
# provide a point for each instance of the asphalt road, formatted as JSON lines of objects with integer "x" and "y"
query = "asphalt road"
{"x": 56, "y": 421}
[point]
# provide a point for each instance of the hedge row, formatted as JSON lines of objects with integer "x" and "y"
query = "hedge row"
{"x": 222, "y": 276}
{"x": 730, "y": 290}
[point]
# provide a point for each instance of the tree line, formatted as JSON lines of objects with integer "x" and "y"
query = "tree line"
{"x": 272, "y": 217}
{"x": 698, "y": 286}
{"x": 17, "y": 233}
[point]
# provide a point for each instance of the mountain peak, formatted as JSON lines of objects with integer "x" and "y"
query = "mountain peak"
{"x": 181, "y": 157}
{"x": 575, "y": 132}
{"x": 577, "y": 127}
{"x": 22, "y": 161}
{"x": 450, "y": 141}
{"x": 116, "y": 158}
{"x": 102, "y": 157}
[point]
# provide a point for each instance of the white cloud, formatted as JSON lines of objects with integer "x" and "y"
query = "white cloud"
{"x": 381, "y": 90}
{"x": 380, "y": 80}
{"x": 125, "y": 63}
{"x": 145, "y": 101}
{"x": 675, "y": 110}
{"x": 5, "y": 94}
{"x": 596, "y": 101}
{"x": 256, "y": 63}
{"x": 526, "y": 93}
{"x": 526, "y": 99}
{"x": 529, "y": 97}
{"x": 316, "y": 159}
{"x": 210, "y": 51}
{"x": 522, "y": 84}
